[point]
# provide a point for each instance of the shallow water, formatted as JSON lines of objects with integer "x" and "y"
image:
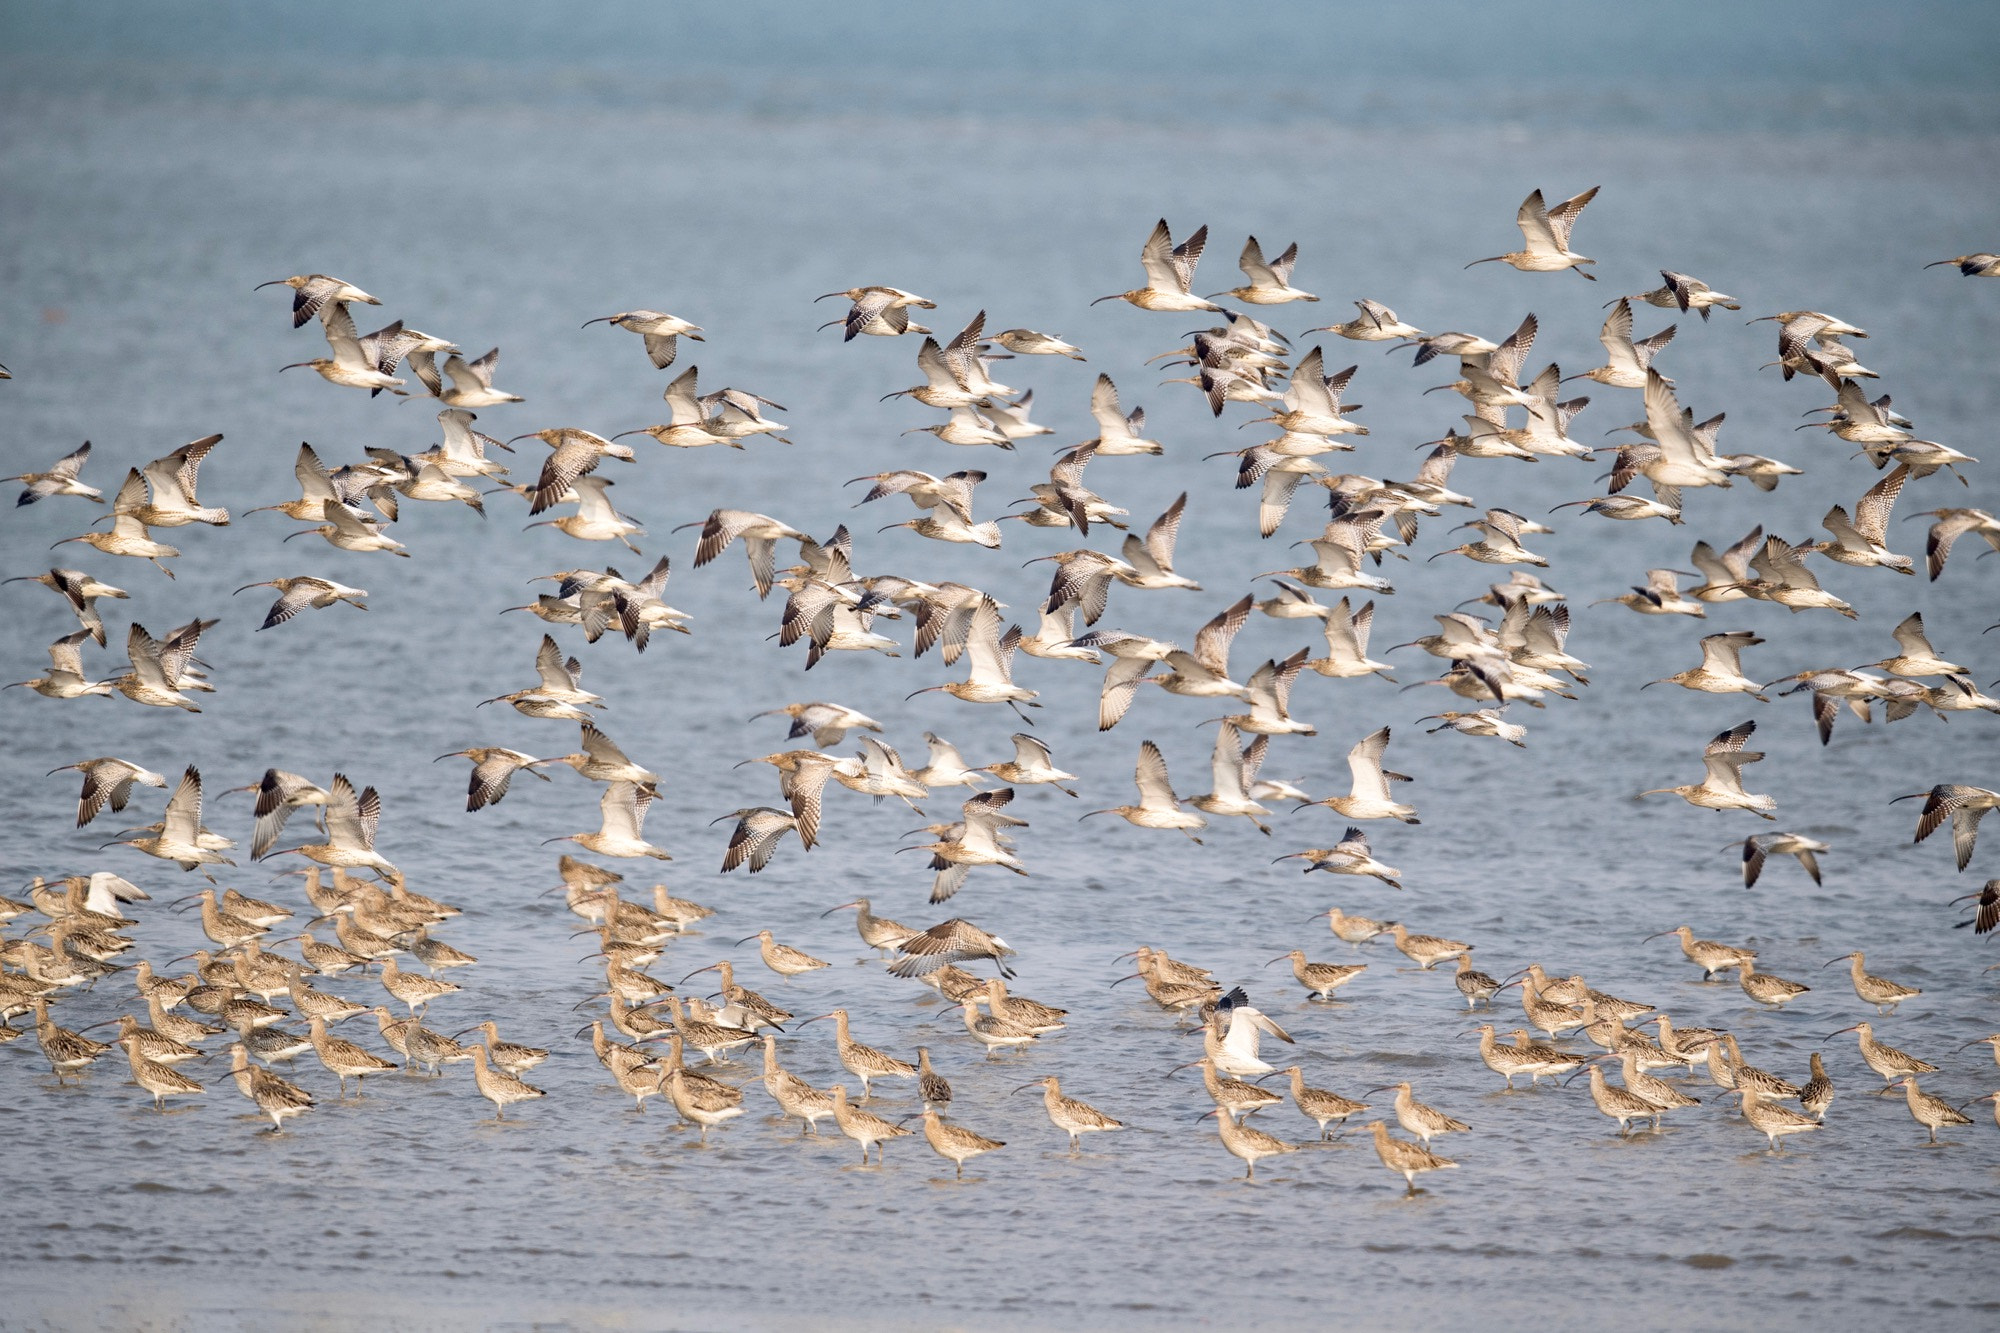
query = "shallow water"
{"x": 136, "y": 226}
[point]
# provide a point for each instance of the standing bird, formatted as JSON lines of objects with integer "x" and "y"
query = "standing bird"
{"x": 955, "y": 1143}
{"x": 1247, "y": 1143}
{"x": 1404, "y": 1158}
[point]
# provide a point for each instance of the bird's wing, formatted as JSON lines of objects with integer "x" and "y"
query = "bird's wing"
{"x": 1617, "y": 338}
{"x": 600, "y": 747}
{"x": 1910, "y": 636}
{"x": 1104, "y": 407}
{"x": 1230, "y": 770}
{"x": 1212, "y": 640}
{"x": 1364, "y": 762}
{"x": 982, "y": 641}
{"x": 182, "y": 821}
{"x": 1160, "y": 537}
{"x": 343, "y": 814}
{"x": 1121, "y": 682}
{"x": 1158, "y": 257}
{"x": 1155, "y": 791}
{"x": 1563, "y": 216}
{"x": 65, "y": 656}
{"x": 683, "y": 399}
{"x": 144, "y": 651}
{"x": 1720, "y": 652}
{"x": 1537, "y": 228}
{"x": 1731, "y": 741}
{"x": 1251, "y": 261}
{"x": 938, "y": 373}
{"x": 1871, "y": 511}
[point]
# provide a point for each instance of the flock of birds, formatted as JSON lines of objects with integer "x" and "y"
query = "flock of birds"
{"x": 266, "y": 1008}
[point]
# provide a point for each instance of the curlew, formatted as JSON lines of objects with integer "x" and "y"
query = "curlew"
{"x": 1883, "y": 1058}
{"x": 1426, "y": 951}
{"x": 1545, "y": 232}
{"x": 1246, "y": 1143}
{"x": 1369, "y": 797}
{"x": 1072, "y": 1117}
{"x": 1406, "y": 1159}
{"x": 1758, "y": 847}
{"x": 1774, "y": 1122}
{"x": 1933, "y": 1113}
{"x": 1881, "y": 992}
{"x": 1765, "y": 988}
{"x": 1964, "y": 806}
{"x": 1321, "y": 980}
{"x": 1350, "y": 856}
{"x": 1169, "y": 273}
{"x": 864, "y": 1062}
{"x": 868, "y": 1130}
{"x": 955, "y": 1143}
{"x": 1722, "y": 787}
{"x": 1707, "y": 955}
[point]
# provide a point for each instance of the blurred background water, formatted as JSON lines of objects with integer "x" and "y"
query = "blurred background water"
{"x": 501, "y": 173}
